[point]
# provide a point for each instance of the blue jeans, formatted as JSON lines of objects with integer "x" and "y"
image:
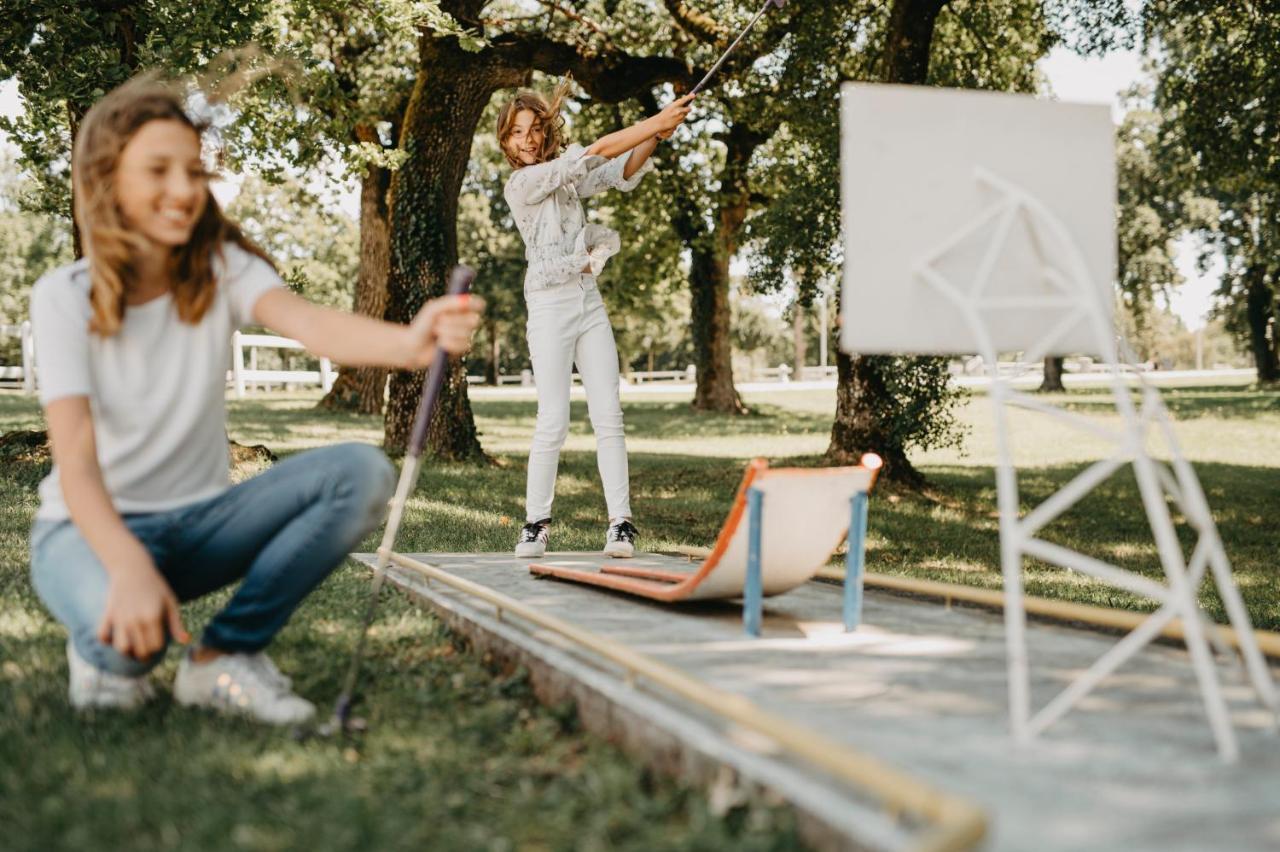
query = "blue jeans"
{"x": 281, "y": 532}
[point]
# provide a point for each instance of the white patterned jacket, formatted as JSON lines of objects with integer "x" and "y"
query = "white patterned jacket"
{"x": 545, "y": 203}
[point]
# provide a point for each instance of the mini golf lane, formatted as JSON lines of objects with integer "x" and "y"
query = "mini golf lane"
{"x": 918, "y": 686}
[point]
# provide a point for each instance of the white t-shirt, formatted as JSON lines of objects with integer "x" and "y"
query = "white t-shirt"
{"x": 156, "y": 388}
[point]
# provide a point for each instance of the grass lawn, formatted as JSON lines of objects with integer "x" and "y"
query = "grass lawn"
{"x": 460, "y": 755}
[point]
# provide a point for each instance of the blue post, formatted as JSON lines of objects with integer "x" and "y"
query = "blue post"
{"x": 854, "y": 562}
{"x": 753, "y": 592}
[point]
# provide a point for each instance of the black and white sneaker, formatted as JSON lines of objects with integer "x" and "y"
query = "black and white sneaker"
{"x": 533, "y": 539}
{"x": 620, "y": 540}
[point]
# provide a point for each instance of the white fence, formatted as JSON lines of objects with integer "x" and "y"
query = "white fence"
{"x": 22, "y": 374}
{"x": 782, "y": 373}
{"x": 245, "y": 377}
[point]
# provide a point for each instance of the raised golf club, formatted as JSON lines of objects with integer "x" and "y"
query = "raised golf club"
{"x": 765, "y": 8}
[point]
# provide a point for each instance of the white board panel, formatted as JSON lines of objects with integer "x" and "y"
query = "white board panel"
{"x": 911, "y": 197}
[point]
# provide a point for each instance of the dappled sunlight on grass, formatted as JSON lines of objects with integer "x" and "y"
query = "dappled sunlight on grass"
{"x": 19, "y": 624}
{"x": 461, "y": 755}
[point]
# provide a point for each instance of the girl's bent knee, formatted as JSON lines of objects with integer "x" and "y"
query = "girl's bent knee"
{"x": 369, "y": 471}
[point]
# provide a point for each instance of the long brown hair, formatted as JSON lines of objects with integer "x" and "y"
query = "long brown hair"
{"x": 109, "y": 244}
{"x": 546, "y": 115}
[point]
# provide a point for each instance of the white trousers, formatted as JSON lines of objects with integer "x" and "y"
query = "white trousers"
{"x": 568, "y": 325}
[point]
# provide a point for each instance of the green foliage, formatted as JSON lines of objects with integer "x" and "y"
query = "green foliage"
{"x": 349, "y": 66}
{"x": 1218, "y": 95}
{"x": 1162, "y": 340}
{"x": 347, "y": 71}
{"x": 976, "y": 45}
{"x": 897, "y": 403}
{"x": 65, "y": 56}
{"x": 31, "y": 244}
{"x": 760, "y": 333}
{"x": 1095, "y": 26}
{"x": 1151, "y": 211}
{"x": 316, "y": 247}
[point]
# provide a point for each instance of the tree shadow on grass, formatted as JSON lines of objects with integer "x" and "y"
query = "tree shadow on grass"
{"x": 1226, "y": 402}
{"x": 459, "y": 754}
{"x": 665, "y": 419}
{"x": 951, "y": 533}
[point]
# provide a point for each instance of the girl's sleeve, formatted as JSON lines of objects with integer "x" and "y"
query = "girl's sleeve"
{"x": 246, "y": 279}
{"x": 60, "y": 314}
{"x": 610, "y": 176}
{"x": 531, "y": 184}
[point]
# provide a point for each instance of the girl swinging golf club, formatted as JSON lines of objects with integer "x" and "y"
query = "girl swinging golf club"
{"x": 133, "y": 343}
{"x": 567, "y": 320}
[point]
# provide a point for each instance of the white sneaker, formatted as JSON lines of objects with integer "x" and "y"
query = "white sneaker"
{"x": 620, "y": 539}
{"x": 534, "y": 537}
{"x": 89, "y": 687}
{"x": 241, "y": 685}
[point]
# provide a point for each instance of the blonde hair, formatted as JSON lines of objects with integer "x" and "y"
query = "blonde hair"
{"x": 109, "y": 244}
{"x": 546, "y": 115}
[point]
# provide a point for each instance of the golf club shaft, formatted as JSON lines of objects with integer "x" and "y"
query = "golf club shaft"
{"x": 408, "y": 479}
{"x": 725, "y": 55}
{"x": 459, "y": 282}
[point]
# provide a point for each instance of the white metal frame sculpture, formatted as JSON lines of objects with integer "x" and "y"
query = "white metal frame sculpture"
{"x": 1075, "y": 298}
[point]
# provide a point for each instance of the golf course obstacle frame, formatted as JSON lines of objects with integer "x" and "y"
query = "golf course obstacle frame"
{"x": 758, "y": 553}
{"x": 1045, "y": 301}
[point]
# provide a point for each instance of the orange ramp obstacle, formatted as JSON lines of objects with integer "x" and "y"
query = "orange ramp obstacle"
{"x": 795, "y": 518}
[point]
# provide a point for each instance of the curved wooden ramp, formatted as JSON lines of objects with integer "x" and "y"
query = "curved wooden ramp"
{"x": 805, "y": 514}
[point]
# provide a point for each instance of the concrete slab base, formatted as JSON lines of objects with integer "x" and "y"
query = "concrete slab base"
{"x": 918, "y": 686}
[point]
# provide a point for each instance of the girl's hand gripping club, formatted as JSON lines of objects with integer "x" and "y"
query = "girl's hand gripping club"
{"x": 459, "y": 283}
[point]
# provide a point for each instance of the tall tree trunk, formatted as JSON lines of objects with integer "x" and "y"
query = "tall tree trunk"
{"x": 909, "y": 39}
{"x": 860, "y": 390}
{"x": 1052, "y": 380}
{"x": 858, "y": 428}
{"x": 74, "y": 115}
{"x": 493, "y": 371}
{"x": 363, "y": 389}
{"x": 438, "y": 125}
{"x": 799, "y": 340}
{"x": 1261, "y": 315}
{"x": 711, "y": 317}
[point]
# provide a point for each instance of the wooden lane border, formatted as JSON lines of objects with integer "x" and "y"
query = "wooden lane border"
{"x": 1098, "y": 616}
{"x": 955, "y": 823}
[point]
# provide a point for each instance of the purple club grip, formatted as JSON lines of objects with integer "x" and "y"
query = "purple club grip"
{"x": 460, "y": 279}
